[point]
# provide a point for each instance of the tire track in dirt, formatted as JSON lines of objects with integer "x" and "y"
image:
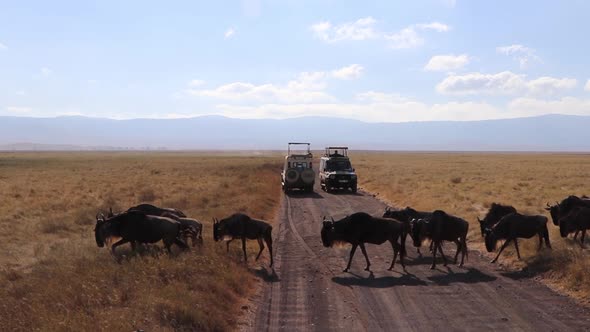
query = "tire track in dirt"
{"x": 312, "y": 293}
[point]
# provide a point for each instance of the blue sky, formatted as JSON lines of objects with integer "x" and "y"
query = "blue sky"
{"x": 385, "y": 61}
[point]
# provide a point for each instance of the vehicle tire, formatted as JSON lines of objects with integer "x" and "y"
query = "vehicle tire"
{"x": 291, "y": 175}
{"x": 308, "y": 176}
{"x": 354, "y": 189}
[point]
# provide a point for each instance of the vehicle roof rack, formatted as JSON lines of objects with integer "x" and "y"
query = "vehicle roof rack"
{"x": 336, "y": 151}
{"x": 298, "y": 143}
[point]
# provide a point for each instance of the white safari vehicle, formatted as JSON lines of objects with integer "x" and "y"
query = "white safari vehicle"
{"x": 297, "y": 171}
{"x": 336, "y": 172}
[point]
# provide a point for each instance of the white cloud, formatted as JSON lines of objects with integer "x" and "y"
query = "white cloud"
{"x": 353, "y": 71}
{"x": 365, "y": 29}
{"x": 18, "y": 110}
{"x": 549, "y": 85}
{"x": 436, "y": 26}
{"x": 46, "y": 71}
{"x": 196, "y": 83}
{"x": 308, "y": 87}
{"x": 447, "y": 62}
{"x": 20, "y": 93}
{"x": 524, "y": 55}
{"x": 503, "y": 83}
{"x": 229, "y": 33}
{"x": 406, "y": 38}
{"x": 587, "y": 87}
{"x": 3, "y": 47}
{"x": 361, "y": 29}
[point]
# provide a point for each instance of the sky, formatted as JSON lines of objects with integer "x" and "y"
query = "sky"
{"x": 375, "y": 61}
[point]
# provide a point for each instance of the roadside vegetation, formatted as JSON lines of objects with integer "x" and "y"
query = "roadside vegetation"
{"x": 54, "y": 277}
{"x": 466, "y": 184}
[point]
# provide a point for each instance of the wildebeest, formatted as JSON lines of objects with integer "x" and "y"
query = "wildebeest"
{"x": 578, "y": 219}
{"x": 514, "y": 226}
{"x": 442, "y": 227}
{"x": 360, "y": 228}
{"x": 196, "y": 235}
{"x": 157, "y": 211}
{"x": 564, "y": 207}
{"x": 495, "y": 213}
{"x": 406, "y": 216}
{"x": 137, "y": 227}
{"x": 241, "y": 226}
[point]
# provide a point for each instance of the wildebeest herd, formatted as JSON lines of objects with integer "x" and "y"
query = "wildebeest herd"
{"x": 146, "y": 224}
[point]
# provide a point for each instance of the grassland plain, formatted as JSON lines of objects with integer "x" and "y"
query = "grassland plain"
{"x": 54, "y": 277}
{"x": 465, "y": 184}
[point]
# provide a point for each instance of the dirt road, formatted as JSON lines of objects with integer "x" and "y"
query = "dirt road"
{"x": 313, "y": 294}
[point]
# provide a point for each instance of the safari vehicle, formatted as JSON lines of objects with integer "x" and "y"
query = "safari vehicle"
{"x": 297, "y": 171}
{"x": 336, "y": 172}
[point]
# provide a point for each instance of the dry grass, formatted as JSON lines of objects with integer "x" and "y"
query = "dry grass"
{"x": 466, "y": 184}
{"x": 54, "y": 277}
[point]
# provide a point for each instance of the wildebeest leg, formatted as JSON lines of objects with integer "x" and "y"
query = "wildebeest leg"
{"x": 352, "y": 250}
{"x": 227, "y": 244}
{"x": 439, "y": 245}
{"x": 261, "y": 245}
{"x": 582, "y": 238}
{"x": 362, "y": 245}
{"x": 430, "y": 247}
{"x": 434, "y": 257}
{"x": 116, "y": 244}
{"x": 546, "y": 236}
{"x": 501, "y": 249}
{"x": 244, "y": 249}
{"x": 458, "y": 250}
{"x": 516, "y": 246}
{"x": 268, "y": 240}
{"x": 418, "y": 252}
{"x": 463, "y": 249}
{"x": 540, "y": 241}
{"x": 576, "y": 234}
{"x": 395, "y": 248}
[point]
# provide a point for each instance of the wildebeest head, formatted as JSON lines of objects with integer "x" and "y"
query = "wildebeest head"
{"x": 418, "y": 229}
{"x": 99, "y": 230}
{"x": 218, "y": 230}
{"x": 490, "y": 239}
{"x": 328, "y": 232}
{"x": 554, "y": 212}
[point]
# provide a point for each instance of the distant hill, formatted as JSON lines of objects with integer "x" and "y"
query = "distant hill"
{"x": 543, "y": 133}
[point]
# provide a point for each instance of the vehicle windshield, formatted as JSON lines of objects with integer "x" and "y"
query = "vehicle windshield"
{"x": 338, "y": 165}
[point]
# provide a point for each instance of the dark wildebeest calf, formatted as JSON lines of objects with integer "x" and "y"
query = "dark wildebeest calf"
{"x": 137, "y": 227}
{"x": 577, "y": 220}
{"x": 495, "y": 213}
{"x": 196, "y": 235}
{"x": 514, "y": 226}
{"x": 241, "y": 226}
{"x": 360, "y": 228}
{"x": 442, "y": 227}
{"x": 406, "y": 216}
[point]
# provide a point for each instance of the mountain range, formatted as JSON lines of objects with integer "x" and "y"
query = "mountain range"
{"x": 565, "y": 133}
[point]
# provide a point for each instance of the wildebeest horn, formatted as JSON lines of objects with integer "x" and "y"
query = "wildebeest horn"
{"x": 479, "y": 220}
